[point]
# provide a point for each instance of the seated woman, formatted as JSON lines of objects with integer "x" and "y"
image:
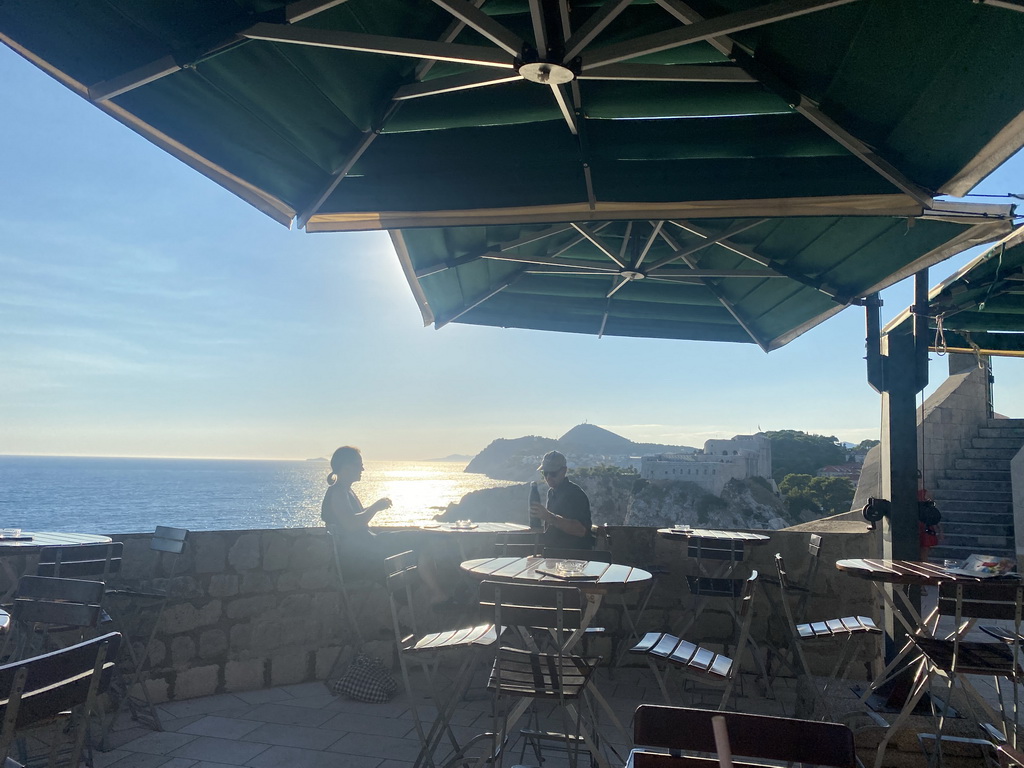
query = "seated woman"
{"x": 360, "y": 551}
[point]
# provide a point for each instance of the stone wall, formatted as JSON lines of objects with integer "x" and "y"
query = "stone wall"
{"x": 952, "y": 416}
{"x": 254, "y": 609}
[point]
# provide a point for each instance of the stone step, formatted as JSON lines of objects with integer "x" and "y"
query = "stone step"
{"x": 980, "y": 489}
{"x": 974, "y": 474}
{"x": 1000, "y": 443}
{"x": 980, "y": 518}
{"x": 977, "y": 530}
{"x": 1005, "y": 423}
{"x": 979, "y": 544}
{"x": 1001, "y": 465}
{"x": 944, "y": 551}
{"x": 950, "y": 506}
{"x": 989, "y": 453}
{"x": 1016, "y": 432}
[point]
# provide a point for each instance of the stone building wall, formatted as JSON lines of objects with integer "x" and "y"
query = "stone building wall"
{"x": 255, "y": 609}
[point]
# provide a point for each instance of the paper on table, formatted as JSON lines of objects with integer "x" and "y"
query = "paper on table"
{"x": 984, "y": 566}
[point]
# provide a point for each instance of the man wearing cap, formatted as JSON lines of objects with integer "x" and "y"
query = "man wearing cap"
{"x": 566, "y": 516}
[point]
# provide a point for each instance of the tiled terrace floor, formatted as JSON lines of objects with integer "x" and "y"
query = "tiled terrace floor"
{"x": 304, "y": 726}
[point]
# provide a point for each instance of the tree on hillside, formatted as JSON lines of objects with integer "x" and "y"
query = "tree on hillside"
{"x": 796, "y": 453}
{"x": 821, "y": 495}
{"x": 864, "y": 446}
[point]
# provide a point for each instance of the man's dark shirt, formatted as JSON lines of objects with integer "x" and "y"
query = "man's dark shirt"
{"x": 568, "y": 500}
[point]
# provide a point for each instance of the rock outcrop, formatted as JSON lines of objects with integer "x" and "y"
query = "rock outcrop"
{"x": 585, "y": 445}
{"x": 619, "y": 497}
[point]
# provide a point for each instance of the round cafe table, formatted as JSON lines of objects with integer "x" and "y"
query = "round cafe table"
{"x": 471, "y": 530}
{"x": 598, "y": 578}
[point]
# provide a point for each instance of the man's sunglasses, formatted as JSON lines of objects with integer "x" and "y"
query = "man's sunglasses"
{"x": 552, "y": 473}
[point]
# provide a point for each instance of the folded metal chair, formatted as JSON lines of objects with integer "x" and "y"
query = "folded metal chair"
{"x": 55, "y": 689}
{"x": 665, "y": 652}
{"x": 428, "y": 649}
{"x": 139, "y": 620}
{"x": 836, "y": 631}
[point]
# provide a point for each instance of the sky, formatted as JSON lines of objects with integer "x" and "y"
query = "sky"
{"x": 146, "y": 311}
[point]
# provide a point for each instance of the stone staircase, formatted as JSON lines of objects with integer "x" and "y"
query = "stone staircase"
{"x": 975, "y": 498}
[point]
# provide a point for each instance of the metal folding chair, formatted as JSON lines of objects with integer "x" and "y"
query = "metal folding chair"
{"x": 837, "y": 630}
{"x": 76, "y": 561}
{"x": 696, "y": 662}
{"x": 428, "y": 649}
{"x": 521, "y": 676}
{"x": 953, "y": 658}
{"x": 149, "y": 601}
{"x": 55, "y": 689}
{"x": 47, "y": 610}
{"x": 681, "y": 737}
{"x": 516, "y": 544}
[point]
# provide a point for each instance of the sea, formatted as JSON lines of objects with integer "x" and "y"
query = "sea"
{"x": 129, "y": 495}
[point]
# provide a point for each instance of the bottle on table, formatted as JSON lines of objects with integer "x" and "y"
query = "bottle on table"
{"x": 534, "y": 499}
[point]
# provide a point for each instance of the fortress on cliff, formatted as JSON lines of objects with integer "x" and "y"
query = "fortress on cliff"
{"x": 738, "y": 458}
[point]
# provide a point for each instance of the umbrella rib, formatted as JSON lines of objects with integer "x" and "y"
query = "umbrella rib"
{"x": 461, "y": 82}
{"x": 764, "y": 261}
{"x": 717, "y": 293}
{"x": 593, "y": 26}
{"x": 709, "y": 241}
{"x": 702, "y": 30}
{"x": 675, "y": 73}
{"x": 441, "y": 323}
{"x": 524, "y": 240}
{"x": 540, "y": 33}
{"x": 592, "y": 237}
{"x": 369, "y": 136}
{"x": 647, "y": 245}
{"x": 380, "y": 44}
{"x": 568, "y": 110}
{"x": 622, "y": 282}
{"x": 473, "y": 17}
{"x": 625, "y": 240}
{"x": 168, "y": 65}
{"x": 580, "y": 265}
{"x": 803, "y": 105}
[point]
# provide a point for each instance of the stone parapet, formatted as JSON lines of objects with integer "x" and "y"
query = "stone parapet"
{"x": 254, "y": 609}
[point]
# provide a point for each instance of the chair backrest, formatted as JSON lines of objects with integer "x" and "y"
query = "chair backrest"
{"x": 785, "y": 587}
{"x": 75, "y": 561}
{"x": 706, "y": 586}
{"x": 403, "y": 576}
{"x": 563, "y": 553}
{"x": 169, "y": 540}
{"x": 538, "y": 606}
{"x": 51, "y": 601}
{"x": 509, "y": 544}
{"x": 987, "y": 599}
{"x": 758, "y": 737}
{"x": 702, "y": 548}
{"x": 35, "y": 690}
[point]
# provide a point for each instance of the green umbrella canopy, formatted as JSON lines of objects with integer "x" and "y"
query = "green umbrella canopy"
{"x": 980, "y": 309}
{"x": 764, "y": 281}
{"x": 384, "y": 114}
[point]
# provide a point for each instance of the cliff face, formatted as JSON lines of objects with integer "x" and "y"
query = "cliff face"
{"x": 514, "y": 459}
{"x": 620, "y": 498}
